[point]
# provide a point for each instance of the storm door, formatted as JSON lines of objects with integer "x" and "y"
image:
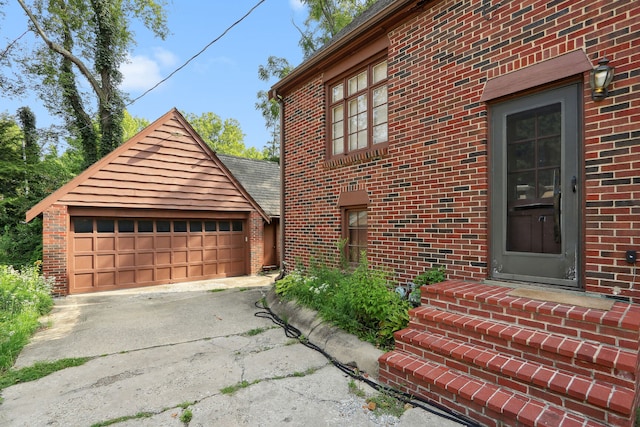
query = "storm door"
{"x": 534, "y": 188}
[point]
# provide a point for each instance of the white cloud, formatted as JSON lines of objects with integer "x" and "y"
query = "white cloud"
{"x": 139, "y": 73}
{"x": 296, "y": 5}
{"x": 165, "y": 58}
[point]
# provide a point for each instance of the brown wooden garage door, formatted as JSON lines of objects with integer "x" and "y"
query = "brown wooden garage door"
{"x": 112, "y": 253}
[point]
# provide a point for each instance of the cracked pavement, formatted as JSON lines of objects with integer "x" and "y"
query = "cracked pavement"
{"x": 157, "y": 351}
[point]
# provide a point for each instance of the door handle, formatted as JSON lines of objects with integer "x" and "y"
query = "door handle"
{"x": 574, "y": 183}
{"x": 557, "y": 234}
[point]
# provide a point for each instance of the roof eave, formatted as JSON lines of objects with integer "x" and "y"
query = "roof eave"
{"x": 376, "y": 26}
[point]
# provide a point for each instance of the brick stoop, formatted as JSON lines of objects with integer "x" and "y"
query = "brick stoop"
{"x": 513, "y": 361}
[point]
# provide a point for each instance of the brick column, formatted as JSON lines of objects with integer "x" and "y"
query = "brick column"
{"x": 55, "y": 235}
{"x": 256, "y": 242}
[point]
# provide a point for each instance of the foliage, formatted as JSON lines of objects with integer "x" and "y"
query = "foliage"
{"x": 25, "y": 178}
{"x": 279, "y": 68}
{"x": 186, "y": 416}
{"x": 223, "y": 136}
{"x": 37, "y": 371}
{"x": 361, "y": 302}
{"x": 411, "y": 290}
{"x": 434, "y": 275}
{"x": 326, "y": 19}
{"x": 385, "y": 404}
{"x": 132, "y": 125}
{"x": 24, "y": 296}
{"x": 87, "y": 41}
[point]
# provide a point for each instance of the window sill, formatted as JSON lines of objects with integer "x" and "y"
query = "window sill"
{"x": 355, "y": 158}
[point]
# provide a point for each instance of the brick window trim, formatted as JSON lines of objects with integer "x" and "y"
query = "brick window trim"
{"x": 551, "y": 70}
{"x": 378, "y": 152}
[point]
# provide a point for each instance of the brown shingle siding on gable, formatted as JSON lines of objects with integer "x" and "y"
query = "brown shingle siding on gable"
{"x": 164, "y": 167}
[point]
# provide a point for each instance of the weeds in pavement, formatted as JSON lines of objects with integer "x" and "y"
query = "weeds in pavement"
{"x": 37, "y": 371}
{"x": 186, "y": 416}
{"x": 139, "y": 415}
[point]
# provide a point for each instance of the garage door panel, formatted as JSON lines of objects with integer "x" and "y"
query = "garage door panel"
{"x": 210, "y": 269}
{"x": 126, "y": 276}
{"x": 144, "y": 258}
{"x": 135, "y": 252}
{"x": 144, "y": 275}
{"x": 210, "y": 241}
{"x": 180, "y": 272}
{"x": 105, "y": 261}
{"x": 163, "y": 242}
{"x": 195, "y": 256}
{"x": 83, "y": 262}
{"x": 83, "y": 281}
{"x": 83, "y": 244}
{"x": 195, "y": 271}
{"x": 163, "y": 274}
{"x": 144, "y": 243}
{"x": 163, "y": 258}
{"x": 126, "y": 260}
{"x": 196, "y": 241}
{"x": 179, "y": 257}
{"x": 179, "y": 242}
{"x": 107, "y": 243}
{"x": 106, "y": 278}
{"x": 127, "y": 243}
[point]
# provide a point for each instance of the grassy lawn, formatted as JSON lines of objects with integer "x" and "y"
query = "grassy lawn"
{"x": 24, "y": 297}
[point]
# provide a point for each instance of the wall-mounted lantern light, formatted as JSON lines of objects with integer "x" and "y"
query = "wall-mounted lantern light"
{"x": 601, "y": 77}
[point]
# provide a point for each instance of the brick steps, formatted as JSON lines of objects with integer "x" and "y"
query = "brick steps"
{"x": 615, "y": 364}
{"x": 529, "y": 375}
{"x": 496, "y": 403}
{"x": 508, "y": 360}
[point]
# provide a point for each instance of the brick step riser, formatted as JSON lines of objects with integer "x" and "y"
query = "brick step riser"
{"x": 489, "y": 416}
{"x": 583, "y": 329}
{"x": 543, "y": 356}
{"x": 530, "y": 383}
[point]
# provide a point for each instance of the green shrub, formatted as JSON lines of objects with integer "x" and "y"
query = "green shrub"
{"x": 361, "y": 302}
{"x": 24, "y": 297}
{"x": 429, "y": 277}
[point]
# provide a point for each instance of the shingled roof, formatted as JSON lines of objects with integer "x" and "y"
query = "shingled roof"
{"x": 260, "y": 178}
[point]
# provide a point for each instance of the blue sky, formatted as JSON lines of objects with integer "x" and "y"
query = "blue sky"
{"x": 223, "y": 79}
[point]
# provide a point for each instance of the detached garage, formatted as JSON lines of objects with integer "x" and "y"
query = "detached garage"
{"x": 162, "y": 208}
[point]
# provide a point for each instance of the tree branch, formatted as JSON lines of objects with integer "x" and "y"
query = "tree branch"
{"x": 64, "y": 52}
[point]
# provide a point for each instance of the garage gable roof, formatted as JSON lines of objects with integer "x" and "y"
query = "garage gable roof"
{"x": 166, "y": 166}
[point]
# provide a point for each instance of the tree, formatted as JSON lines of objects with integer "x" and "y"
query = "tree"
{"x": 276, "y": 67}
{"x": 223, "y": 136}
{"x": 25, "y": 179}
{"x": 87, "y": 39}
{"x": 132, "y": 125}
{"x": 326, "y": 19}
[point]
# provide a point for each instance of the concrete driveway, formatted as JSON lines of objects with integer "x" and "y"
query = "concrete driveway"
{"x": 159, "y": 350}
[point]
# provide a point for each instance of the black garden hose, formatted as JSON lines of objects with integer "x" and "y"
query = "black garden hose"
{"x": 418, "y": 402}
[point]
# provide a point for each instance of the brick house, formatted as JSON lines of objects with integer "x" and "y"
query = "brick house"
{"x": 469, "y": 135}
{"x": 161, "y": 208}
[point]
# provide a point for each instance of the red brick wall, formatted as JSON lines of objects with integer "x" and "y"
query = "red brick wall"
{"x": 55, "y": 235}
{"x": 256, "y": 243}
{"x": 428, "y": 194}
